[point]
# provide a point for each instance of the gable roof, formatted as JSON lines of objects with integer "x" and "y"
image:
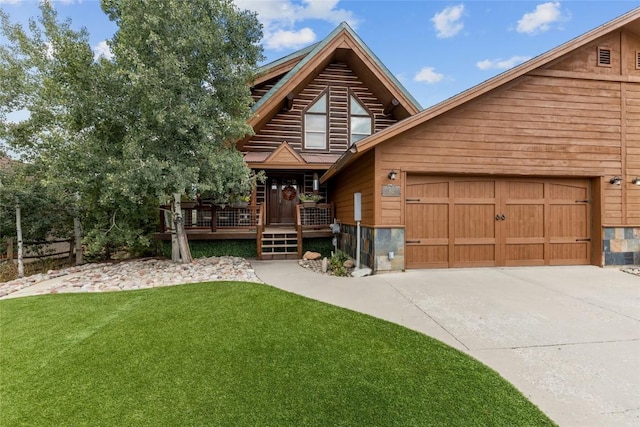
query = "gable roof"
{"x": 629, "y": 21}
{"x": 282, "y": 65}
{"x": 301, "y": 67}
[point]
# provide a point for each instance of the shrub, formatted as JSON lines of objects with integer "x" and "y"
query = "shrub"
{"x": 336, "y": 263}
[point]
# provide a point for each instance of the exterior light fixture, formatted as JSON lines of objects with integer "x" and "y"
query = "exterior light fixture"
{"x": 636, "y": 180}
{"x": 392, "y": 175}
{"x": 615, "y": 180}
{"x": 316, "y": 182}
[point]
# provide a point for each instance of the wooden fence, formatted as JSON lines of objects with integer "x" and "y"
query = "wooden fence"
{"x": 38, "y": 250}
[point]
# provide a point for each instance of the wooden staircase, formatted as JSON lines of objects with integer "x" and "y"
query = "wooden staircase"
{"x": 279, "y": 243}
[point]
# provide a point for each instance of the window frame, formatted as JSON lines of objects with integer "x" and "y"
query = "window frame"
{"x": 305, "y": 112}
{"x": 369, "y": 115}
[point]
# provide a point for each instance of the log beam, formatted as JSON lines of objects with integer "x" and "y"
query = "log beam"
{"x": 390, "y": 106}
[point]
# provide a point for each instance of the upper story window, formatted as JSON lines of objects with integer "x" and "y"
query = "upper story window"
{"x": 315, "y": 124}
{"x": 360, "y": 123}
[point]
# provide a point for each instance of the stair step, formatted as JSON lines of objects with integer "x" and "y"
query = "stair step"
{"x": 279, "y": 255}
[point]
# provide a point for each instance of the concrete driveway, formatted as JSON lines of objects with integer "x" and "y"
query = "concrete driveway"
{"x": 567, "y": 337}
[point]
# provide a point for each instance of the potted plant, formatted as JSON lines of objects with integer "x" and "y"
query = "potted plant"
{"x": 309, "y": 200}
{"x": 241, "y": 201}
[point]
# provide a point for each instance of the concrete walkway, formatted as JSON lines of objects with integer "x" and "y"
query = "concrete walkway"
{"x": 567, "y": 337}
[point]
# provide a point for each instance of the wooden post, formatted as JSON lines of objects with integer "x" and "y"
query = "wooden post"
{"x": 77, "y": 232}
{"x": 10, "y": 249}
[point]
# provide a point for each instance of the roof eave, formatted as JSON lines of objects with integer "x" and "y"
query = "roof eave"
{"x": 488, "y": 85}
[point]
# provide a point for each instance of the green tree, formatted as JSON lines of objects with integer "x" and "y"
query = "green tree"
{"x": 151, "y": 124}
{"x": 187, "y": 68}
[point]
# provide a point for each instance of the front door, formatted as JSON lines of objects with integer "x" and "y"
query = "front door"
{"x": 283, "y": 198}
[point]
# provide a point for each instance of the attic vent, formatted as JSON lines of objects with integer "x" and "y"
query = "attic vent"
{"x": 604, "y": 57}
{"x": 637, "y": 59}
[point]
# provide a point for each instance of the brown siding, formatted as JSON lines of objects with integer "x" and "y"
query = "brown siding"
{"x": 544, "y": 126}
{"x": 338, "y": 78}
{"x": 585, "y": 59}
{"x": 358, "y": 178}
{"x": 632, "y": 143}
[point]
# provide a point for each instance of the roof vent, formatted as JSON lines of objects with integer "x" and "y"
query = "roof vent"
{"x": 604, "y": 57}
{"x": 637, "y": 59}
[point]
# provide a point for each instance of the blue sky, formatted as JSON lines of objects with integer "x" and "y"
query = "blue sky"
{"x": 435, "y": 48}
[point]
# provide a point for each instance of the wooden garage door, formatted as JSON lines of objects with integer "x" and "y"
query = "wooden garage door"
{"x": 474, "y": 222}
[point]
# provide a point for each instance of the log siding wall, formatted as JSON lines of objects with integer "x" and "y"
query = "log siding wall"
{"x": 338, "y": 79}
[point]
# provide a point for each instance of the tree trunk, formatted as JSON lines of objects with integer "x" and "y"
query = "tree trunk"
{"x": 19, "y": 233}
{"x": 181, "y": 236}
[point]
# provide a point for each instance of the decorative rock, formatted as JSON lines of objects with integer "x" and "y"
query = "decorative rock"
{"x": 361, "y": 272}
{"x": 138, "y": 274}
{"x": 311, "y": 256}
{"x": 325, "y": 265}
{"x": 349, "y": 263}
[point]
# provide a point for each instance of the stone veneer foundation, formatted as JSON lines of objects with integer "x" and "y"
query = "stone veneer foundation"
{"x": 621, "y": 246}
{"x": 375, "y": 246}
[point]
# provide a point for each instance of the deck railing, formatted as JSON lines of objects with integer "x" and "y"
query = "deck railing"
{"x": 317, "y": 217}
{"x": 211, "y": 217}
{"x": 250, "y": 218}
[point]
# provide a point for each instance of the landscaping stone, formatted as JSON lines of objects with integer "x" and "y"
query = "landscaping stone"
{"x": 349, "y": 263}
{"x": 325, "y": 264}
{"x": 361, "y": 272}
{"x": 311, "y": 256}
{"x": 137, "y": 274}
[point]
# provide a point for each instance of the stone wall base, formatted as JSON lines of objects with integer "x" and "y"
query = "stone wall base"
{"x": 376, "y": 246}
{"x": 621, "y": 246}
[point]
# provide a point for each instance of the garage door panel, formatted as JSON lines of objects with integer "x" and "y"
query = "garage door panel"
{"x": 474, "y": 189}
{"x": 524, "y": 220}
{"x": 427, "y": 256}
{"x": 519, "y": 190}
{"x": 430, "y": 221}
{"x": 474, "y": 221}
{"x": 524, "y": 254}
{"x": 427, "y": 187}
{"x": 474, "y": 255}
{"x": 570, "y": 253}
{"x": 568, "y": 221}
{"x": 509, "y": 221}
{"x": 570, "y": 191}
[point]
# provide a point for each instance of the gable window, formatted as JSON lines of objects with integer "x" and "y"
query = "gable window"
{"x": 315, "y": 124}
{"x": 359, "y": 121}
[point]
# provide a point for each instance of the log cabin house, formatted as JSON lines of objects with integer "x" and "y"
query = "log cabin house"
{"x": 539, "y": 165}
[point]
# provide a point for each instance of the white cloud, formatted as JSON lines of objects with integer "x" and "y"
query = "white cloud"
{"x": 429, "y": 75}
{"x": 283, "y": 39}
{"x": 541, "y": 19}
{"x": 280, "y": 17}
{"x": 501, "y": 64}
{"x": 448, "y": 23}
{"x": 102, "y": 49}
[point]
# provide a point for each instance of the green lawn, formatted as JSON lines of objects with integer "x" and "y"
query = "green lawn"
{"x": 234, "y": 354}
